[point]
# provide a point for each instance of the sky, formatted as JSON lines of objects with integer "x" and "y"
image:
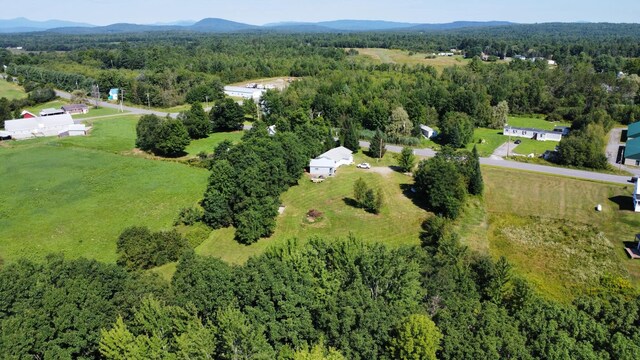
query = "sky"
{"x": 258, "y": 12}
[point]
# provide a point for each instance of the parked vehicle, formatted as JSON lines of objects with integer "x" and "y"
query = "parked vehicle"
{"x": 517, "y": 141}
{"x": 363, "y": 166}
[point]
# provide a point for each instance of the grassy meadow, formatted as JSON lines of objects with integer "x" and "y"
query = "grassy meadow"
{"x": 209, "y": 143}
{"x": 547, "y": 227}
{"x": 11, "y": 91}
{"x": 405, "y": 57}
{"x": 75, "y": 195}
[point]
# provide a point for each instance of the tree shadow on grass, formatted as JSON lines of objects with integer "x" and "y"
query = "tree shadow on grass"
{"x": 351, "y": 202}
{"x": 415, "y": 198}
{"x": 623, "y": 202}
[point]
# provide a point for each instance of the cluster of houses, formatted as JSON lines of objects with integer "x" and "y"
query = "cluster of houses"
{"x": 49, "y": 122}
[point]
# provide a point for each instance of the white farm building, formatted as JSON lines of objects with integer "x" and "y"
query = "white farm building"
{"x": 328, "y": 163}
{"x": 244, "y": 92}
{"x": 52, "y": 125}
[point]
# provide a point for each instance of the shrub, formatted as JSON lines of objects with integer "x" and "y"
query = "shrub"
{"x": 139, "y": 248}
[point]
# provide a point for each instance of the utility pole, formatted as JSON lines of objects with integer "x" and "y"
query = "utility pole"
{"x": 380, "y": 150}
{"x": 148, "y": 101}
{"x": 121, "y": 100}
{"x": 206, "y": 98}
{"x": 508, "y": 142}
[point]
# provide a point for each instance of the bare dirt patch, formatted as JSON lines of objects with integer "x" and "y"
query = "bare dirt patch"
{"x": 382, "y": 170}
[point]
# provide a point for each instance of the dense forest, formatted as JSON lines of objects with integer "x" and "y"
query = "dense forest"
{"x": 332, "y": 298}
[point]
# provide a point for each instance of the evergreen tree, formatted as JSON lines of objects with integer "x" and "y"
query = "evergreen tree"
{"x": 377, "y": 147}
{"x": 350, "y": 136}
{"x": 359, "y": 190}
{"x": 406, "y": 159}
{"x": 476, "y": 184}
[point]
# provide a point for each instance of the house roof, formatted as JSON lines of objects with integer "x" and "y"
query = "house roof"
{"x": 71, "y": 107}
{"x": 632, "y": 149}
{"x": 50, "y": 111}
{"x": 426, "y": 128}
{"x": 633, "y": 131}
{"x": 38, "y": 123}
{"x": 337, "y": 154}
{"x": 245, "y": 90}
{"x": 322, "y": 162}
{"x": 531, "y": 129}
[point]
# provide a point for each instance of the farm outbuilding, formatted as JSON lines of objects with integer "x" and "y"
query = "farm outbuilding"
{"x": 326, "y": 164}
{"x": 39, "y": 126}
{"x": 244, "y": 92}
{"x": 633, "y": 131}
{"x": 632, "y": 152}
{"x": 75, "y": 109}
{"x": 51, "y": 112}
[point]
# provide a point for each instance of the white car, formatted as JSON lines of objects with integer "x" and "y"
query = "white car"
{"x": 363, "y": 166}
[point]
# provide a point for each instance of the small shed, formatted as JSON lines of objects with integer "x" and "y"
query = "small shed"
{"x": 427, "y": 132}
{"x": 27, "y": 114}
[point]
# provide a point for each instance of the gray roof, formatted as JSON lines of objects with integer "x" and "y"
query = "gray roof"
{"x": 74, "y": 107}
{"x": 322, "y": 162}
{"x": 337, "y": 154}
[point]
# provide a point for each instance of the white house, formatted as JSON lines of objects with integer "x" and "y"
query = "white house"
{"x": 38, "y": 126}
{"x": 326, "y": 164}
{"x": 535, "y": 134}
{"x": 636, "y": 197}
{"x": 427, "y": 131}
{"x": 244, "y": 92}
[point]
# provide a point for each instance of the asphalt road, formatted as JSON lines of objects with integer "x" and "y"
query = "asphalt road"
{"x": 130, "y": 109}
{"x": 579, "y": 174}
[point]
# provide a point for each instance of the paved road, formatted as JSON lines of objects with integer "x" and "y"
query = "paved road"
{"x": 130, "y": 109}
{"x": 580, "y": 174}
{"x": 425, "y": 152}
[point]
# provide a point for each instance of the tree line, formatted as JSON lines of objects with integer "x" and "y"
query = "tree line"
{"x": 337, "y": 298}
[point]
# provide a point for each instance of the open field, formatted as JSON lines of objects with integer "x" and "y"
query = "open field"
{"x": 62, "y": 198}
{"x": 403, "y": 57}
{"x": 208, "y": 144}
{"x": 398, "y": 224}
{"x": 534, "y": 122}
{"x": 547, "y": 227}
{"x": 11, "y": 91}
{"x": 279, "y": 82}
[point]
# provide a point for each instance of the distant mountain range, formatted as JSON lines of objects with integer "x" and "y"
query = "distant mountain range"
{"x": 214, "y": 25}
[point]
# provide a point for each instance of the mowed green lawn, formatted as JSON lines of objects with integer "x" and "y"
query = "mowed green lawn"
{"x": 208, "y": 144}
{"x": 534, "y": 122}
{"x": 530, "y": 146}
{"x": 11, "y": 91}
{"x": 547, "y": 227}
{"x": 487, "y": 140}
{"x": 75, "y": 195}
{"x": 398, "y": 224}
